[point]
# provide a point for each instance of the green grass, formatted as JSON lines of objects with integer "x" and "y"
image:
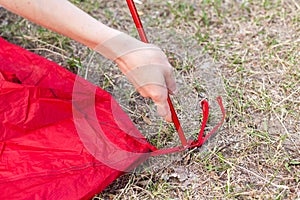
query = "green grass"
{"x": 255, "y": 46}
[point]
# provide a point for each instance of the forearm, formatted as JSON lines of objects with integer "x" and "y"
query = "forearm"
{"x": 62, "y": 17}
{"x": 145, "y": 65}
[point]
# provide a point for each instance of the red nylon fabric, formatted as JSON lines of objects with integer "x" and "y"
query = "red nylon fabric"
{"x": 44, "y": 147}
{"x": 62, "y": 137}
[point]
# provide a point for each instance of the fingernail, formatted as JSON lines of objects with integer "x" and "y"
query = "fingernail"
{"x": 168, "y": 118}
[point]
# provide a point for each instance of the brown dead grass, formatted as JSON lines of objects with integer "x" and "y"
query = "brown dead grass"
{"x": 255, "y": 47}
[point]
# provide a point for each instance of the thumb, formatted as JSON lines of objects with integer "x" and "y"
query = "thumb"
{"x": 159, "y": 96}
{"x": 161, "y": 102}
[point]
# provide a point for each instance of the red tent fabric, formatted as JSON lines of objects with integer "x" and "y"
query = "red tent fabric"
{"x": 61, "y": 137}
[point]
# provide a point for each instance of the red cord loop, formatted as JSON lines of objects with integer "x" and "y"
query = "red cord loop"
{"x": 201, "y": 139}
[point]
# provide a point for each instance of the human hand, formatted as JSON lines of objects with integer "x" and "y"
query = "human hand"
{"x": 146, "y": 67}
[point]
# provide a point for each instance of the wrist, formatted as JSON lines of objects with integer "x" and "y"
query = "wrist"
{"x": 121, "y": 45}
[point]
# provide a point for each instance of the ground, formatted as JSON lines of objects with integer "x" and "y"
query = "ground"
{"x": 247, "y": 51}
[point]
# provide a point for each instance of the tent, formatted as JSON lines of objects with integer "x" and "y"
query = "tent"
{"x": 62, "y": 137}
{"x": 51, "y": 144}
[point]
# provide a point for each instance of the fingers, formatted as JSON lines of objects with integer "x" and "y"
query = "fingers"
{"x": 155, "y": 81}
{"x": 146, "y": 67}
{"x": 170, "y": 81}
{"x": 163, "y": 110}
{"x": 159, "y": 95}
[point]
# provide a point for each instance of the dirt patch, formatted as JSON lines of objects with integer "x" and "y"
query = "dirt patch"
{"x": 245, "y": 51}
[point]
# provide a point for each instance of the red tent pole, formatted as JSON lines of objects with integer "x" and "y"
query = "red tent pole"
{"x": 139, "y": 26}
{"x": 137, "y": 21}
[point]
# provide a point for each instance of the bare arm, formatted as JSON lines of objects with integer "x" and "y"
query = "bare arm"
{"x": 62, "y": 17}
{"x": 144, "y": 65}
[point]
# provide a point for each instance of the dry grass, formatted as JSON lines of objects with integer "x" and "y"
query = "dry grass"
{"x": 252, "y": 46}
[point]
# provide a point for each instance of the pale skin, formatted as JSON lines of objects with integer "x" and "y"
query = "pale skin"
{"x": 65, "y": 18}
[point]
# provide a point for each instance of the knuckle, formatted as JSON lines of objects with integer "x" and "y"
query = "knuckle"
{"x": 158, "y": 96}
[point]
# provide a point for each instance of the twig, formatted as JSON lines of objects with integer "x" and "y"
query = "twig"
{"x": 88, "y": 65}
{"x": 296, "y": 4}
{"x": 283, "y": 100}
{"x": 146, "y": 191}
{"x": 48, "y": 50}
{"x": 43, "y": 42}
{"x": 251, "y": 172}
{"x": 138, "y": 2}
{"x": 285, "y": 43}
{"x": 285, "y": 129}
{"x": 126, "y": 187}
